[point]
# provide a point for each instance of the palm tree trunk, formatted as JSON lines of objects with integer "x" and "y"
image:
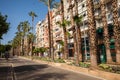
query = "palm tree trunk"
{"x": 116, "y": 30}
{"x": 106, "y": 34}
{"x": 78, "y": 36}
{"x": 92, "y": 32}
{"x": 74, "y": 31}
{"x": 65, "y": 33}
{"x": 49, "y": 28}
{"x": 22, "y": 45}
{"x": 52, "y": 48}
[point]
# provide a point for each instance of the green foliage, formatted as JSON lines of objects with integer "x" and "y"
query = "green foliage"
{"x": 68, "y": 34}
{"x": 30, "y": 37}
{"x": 39, "y": 50}
{"x": 23, "y": 28}
{"x": 105, "y": 67}
{"x": 32, "y": 14}
{"x": 63, "y": 23}
{"x": 17, "y": 40}
{"x": 84, "y": 65}
{"x": 61, "y": 43}
{"x": 4, "y": 26}
{"x": 4, "y": 48}
{"x": 114, "y": 69}
{"x": 77, "y": 19}
{"x": 42, "y": 58}
{"x": 36, "y": 50}
{"x": 52, "y": 3}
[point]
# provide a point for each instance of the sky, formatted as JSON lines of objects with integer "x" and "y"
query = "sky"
{"x": 17, "y": 11}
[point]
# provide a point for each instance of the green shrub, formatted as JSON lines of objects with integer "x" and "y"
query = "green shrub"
{"x": 84, "y": 65}
{"x": 105, "y": 67}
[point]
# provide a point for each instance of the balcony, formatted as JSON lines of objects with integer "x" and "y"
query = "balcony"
{"x": 97, "y": 3}
{"x": 58, "y": 39}
{"x": 98, "y": 17}
{"x": 58, "y": 32}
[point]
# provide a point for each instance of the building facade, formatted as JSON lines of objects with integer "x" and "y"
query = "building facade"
{"x": 82, "y": 10}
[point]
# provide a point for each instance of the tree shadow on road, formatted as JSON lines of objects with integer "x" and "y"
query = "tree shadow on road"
{"x": 37, "y": 72}
{"x": 25, "y": 68}
{"x": 45, "y": 76}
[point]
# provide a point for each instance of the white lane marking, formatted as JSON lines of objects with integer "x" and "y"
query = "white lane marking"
{"x": 13, "y": 72}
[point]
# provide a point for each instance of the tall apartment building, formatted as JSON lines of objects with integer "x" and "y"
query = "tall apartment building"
{"x": 57, "y": 31}
{"x": 42, "y": 34}
{"x": 82, "y": 10}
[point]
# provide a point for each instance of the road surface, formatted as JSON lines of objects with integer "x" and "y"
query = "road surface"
{"x": 21, "y": 69}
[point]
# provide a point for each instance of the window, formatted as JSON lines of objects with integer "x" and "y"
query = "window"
{"x": 84, "y": 14}
{"x": 83, "y": 5}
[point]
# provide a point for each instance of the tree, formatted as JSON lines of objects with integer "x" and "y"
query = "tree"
{"x": 106, "y": 34}
{"x": 4, "y": 25}
{"x": 30, "y": 39}
{"x": 73, "y": 19}
{"x": 50, "y": 4}
{"x": 92, "y": 33}
{"x": 78, "y": 20}
{"x": 33, "y": 15}
{"x": 64, "y": 30}
{"x": 16, "y": 43}
{"x": 116, "y": 29}
{"x": 64, "y": 23}
{"x": 23, "y": 29}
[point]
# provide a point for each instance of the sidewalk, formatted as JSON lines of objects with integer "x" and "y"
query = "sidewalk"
{"x": 97, "y": 73}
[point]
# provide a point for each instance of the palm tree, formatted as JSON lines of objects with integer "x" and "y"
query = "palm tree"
{"x": 116, "y": 30}
{"x": 64, "y": 24}
{"x": 73, "y": 20}
{"x": 23, "y": 29}
{"x": 50, "y": 4}
{"x": 64, "y": 30}
{"x": 106, "y": 34}
{"x": 92, "y": 33}
{"x": 16, "y": 43}
{"x": 77, "y": 21}
{"x": 33, "y": 15}
{"x": 30, "y": 39}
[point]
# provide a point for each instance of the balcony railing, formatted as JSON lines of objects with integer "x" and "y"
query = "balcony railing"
{"x": 58, "y": 39}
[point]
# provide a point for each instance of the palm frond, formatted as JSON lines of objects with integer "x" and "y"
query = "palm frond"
{"x": 77, "y": 19}
{"x": 68, "y": 34}
{"x": 65, "y": 23}
{"x": 61, "y": 43}
{"x": 44, "y": 1}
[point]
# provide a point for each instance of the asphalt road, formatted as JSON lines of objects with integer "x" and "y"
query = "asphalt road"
{"x": 28, "y": 70}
